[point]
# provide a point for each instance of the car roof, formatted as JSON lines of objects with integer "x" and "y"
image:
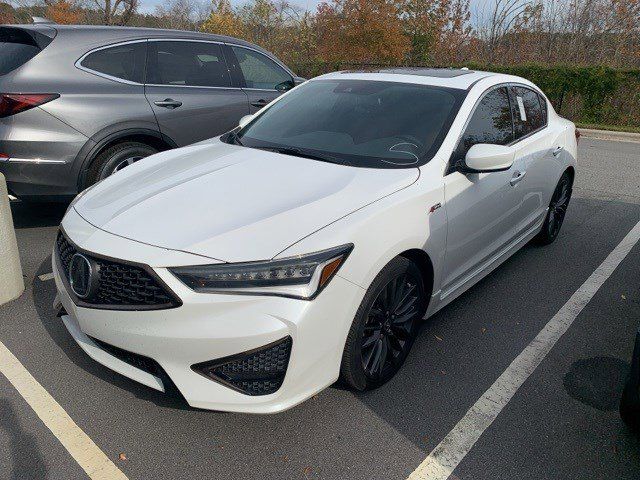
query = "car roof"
{"x": 93, "y": 34}
{"x": 459, "y": 78}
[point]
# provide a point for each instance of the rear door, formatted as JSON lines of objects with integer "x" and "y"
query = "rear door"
{"x": 190, "y": 89}
{"x": 537, "y": 144}
{"x": 262, "y": 79}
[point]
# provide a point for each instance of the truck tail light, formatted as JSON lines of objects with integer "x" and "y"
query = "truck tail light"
{"x": 12, "y": 103}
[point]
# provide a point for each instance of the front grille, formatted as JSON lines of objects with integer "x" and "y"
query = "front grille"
{"x": 120, "y": 285}
{"x": 256, "y": 372}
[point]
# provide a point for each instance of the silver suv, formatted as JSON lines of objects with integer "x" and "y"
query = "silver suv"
{"x": 78, "y": 103}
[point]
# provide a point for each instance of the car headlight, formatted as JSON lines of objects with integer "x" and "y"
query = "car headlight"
{"x": 302, "y": 276}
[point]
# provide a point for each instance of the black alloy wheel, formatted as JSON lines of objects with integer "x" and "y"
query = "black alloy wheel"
{"x": 385, "y": 326}
{"x": 557, "y": 210}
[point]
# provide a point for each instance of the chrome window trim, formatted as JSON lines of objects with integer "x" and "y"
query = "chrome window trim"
{"x": 79, "y": 66}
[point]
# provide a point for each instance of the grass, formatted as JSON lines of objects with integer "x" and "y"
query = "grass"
{"x": 613, "y": 128}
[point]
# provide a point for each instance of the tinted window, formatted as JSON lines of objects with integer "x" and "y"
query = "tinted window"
{"x": 489, "y": 123}
{"x": 122, "y": 61}
{"x": 17, "y": 47}
{"x": 194, "y": 64}
{"x": 527, "y": 112}
{"x": 360, "y": 123}
{"x": 260, "y": 71}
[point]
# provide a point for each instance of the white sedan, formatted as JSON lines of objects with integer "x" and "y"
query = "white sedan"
{"x": 253, "y": 270}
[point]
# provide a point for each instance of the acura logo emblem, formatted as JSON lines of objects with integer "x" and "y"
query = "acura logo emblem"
{"x": 81, "y": 274}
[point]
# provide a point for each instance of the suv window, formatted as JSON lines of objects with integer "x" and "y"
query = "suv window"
{"x": 125, "y": 62}
{"x": 489, "y": 123}
{"x": 17, "y": 47}
{"x": 190, "y": 64}
{"x": 527, "y": 111}
{"x": 259, "y": 71}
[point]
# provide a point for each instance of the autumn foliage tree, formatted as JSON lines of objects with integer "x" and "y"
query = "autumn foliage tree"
{"x": 361, "y": 31}
{"x": 63, "y": 12}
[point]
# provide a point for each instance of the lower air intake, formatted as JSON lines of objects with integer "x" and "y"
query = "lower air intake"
{"x": 257, "y": 372}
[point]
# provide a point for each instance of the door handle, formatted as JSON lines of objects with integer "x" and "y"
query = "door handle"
{"x": 259, "y": 103}
{"x": 556, "y": 151}
{"x": 517, "y": 177}
{"x": 169, "y": 103}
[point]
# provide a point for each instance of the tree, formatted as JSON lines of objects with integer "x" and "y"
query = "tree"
{"x": 115, "y": 12}
{"x": 178, "y": 14}
{"x": 63, "y": 12}
{"x": 363, "y": 31}
{"x": 7, "y": 13}
{"x": 223, "y": 20}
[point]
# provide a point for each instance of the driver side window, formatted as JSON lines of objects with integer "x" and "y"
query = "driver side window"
{"x": 259, "y": 71}
{"x": 490, "y": 123}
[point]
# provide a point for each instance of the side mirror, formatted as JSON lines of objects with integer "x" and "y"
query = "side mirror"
{"x": 485, "y": 157}
{"x": 298, "y": 80}
{"x": 245, "y": 120}
{"x": 285, "y": 86}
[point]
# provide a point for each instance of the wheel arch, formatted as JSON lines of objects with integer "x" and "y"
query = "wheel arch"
{"x": 425, "y": 265}
{"x": 93, "y": 148}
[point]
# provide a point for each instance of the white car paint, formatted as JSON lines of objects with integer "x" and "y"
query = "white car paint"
{"x": 214, "y": 202}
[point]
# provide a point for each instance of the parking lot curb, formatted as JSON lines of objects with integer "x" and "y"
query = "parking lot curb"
{"x": 610, "y": 135}
{"x": 11, "y": 281}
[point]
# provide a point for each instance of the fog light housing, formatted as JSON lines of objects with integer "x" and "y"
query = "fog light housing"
{"x": 260, "y": 371}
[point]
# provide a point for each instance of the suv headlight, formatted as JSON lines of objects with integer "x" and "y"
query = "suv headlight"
{"x": 303, "y": 276}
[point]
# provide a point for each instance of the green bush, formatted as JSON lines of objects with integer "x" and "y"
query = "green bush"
{"x": 587, "y": 95}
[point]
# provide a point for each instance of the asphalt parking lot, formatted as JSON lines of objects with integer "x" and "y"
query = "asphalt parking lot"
{"x": 561, "y": 424}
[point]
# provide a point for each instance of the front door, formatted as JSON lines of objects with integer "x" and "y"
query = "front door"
{"x": 263, "y": 79}
{"x": 190, "y": 90}
{"x": 482, "y": 208}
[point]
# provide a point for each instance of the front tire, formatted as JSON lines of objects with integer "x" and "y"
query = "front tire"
{"x": 385, "y": 326}
{"x": 556, "y": 212}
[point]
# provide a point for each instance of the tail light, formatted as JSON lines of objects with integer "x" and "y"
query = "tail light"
{"x": 12, "y": 103}
{"x": 577, "y": 135}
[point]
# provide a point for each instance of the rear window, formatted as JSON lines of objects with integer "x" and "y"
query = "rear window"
{"x": 17, "y": 47}
{"x": 125, "y": 62}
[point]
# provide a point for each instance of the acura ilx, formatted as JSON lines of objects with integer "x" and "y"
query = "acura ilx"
{"x": 252, "y": 270}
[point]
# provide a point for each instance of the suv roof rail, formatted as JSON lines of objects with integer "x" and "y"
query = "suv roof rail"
{"x": 42, "y": 21}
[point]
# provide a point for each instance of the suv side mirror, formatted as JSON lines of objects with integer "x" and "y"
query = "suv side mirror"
{"x": 485, "y": 157}
{"x": 285, "y": 86}
{"x": 244, "y": 121}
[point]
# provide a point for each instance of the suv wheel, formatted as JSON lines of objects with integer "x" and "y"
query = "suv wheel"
{"x": 116, "y": 158}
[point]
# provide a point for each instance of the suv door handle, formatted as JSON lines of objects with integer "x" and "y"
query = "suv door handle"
{"x": 169, "y": 103}
{"x": 517, "y": 177}
{"x": 556, "y": 151}
{"x": 259, "y": 103}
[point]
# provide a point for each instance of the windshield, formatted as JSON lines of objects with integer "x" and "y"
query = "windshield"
{"x": 361, "y": 123}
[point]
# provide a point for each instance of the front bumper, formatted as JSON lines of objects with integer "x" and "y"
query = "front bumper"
{"x": 211, "y": 326}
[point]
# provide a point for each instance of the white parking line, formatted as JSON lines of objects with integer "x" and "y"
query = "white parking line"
{"x": 83, "y": 450}
{"x": 443, "y": 460}
{"x": 46, "y": 277}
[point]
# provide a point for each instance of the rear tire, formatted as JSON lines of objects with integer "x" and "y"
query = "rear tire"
{"x": 385, "y": 326}
{"x": 116, "y": 158}
{"x": 556, "y": 212}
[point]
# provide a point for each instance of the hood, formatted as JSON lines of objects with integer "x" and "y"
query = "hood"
{"x": 232, "y": 203}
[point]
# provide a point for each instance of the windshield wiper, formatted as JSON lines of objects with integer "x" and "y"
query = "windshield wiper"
{"x": 296, "y": 152}
{"x": 233, "y": 136}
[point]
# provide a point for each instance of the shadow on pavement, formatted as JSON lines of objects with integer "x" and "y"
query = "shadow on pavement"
{"x": 34, "y": 215}
{"x": 28, "y": 463}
